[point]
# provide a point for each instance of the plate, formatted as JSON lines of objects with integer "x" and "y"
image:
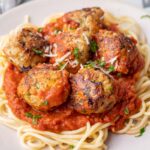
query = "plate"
{"x": 40, "y": 9}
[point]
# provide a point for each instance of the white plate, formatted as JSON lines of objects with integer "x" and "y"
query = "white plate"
{"x": 40, "y": 9}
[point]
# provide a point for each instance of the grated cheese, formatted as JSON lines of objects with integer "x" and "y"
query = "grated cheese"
{"x": 113, "y": 60}
{"x": 81, "y": 66}
{"x": 59, "y": 60}
{"x": 73, "y": 63}
{"x": 64, "y": 66}
{"x": 86, "y": 38}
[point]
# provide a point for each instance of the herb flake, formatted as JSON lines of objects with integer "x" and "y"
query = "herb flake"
{"x": 34, "y": 118}
{"x": 56, "y": 31}
{"x": 40, "y": 30}
{"x": 28, "y": 114}
{"x": 90, "y": 64}
{"x": 45, "y": 103}
{"x": 145, "y": 16}
{"x": 76, "y": 52}
{"x": 93, "y": 46}
{"x": 38, "y": 52}
{"x": 101, "y": 63}
{"x": 119, "y": 74}
{"x": 111, "y": 69}
{"x": 61, "y": 66}
{"x": 71, "y": 146}
{"x": 142, "y": 130}
{"x": 126, "y": 111}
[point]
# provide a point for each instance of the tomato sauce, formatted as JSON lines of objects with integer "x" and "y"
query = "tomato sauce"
{"x": 64, "y": 118}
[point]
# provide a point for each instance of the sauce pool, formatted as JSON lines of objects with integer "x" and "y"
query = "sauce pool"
{"x": 64, "y": 118}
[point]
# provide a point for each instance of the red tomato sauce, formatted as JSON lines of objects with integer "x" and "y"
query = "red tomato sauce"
{"x": 64, "y": 118}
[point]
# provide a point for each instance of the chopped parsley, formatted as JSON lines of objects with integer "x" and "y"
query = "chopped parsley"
{"x": 93, "y": 46}
{"x": 71, "y": 146}
{"x": 34, "y": 118}
{"x": 101, "y": 63}
{"x": 142, "y": 130}
{"x": 28, "y": 114}
{"x": 45, "y": 103}
{"x": 145, "y": 16}
{"x": 56, "y": 31}
{"x": 76, "y": 52}
{"x": 126, "y": 111}
{"x": 61, "y": 66}
{"x": 119, "y": 74}
{"x": 38, "y": 52}
{"x": 111, "y": 68}
{"x": 90, "y": 64}
{"x": 110, "y": 88}
{"x": 72, "y": 28}
{"x": 40, "y": 30}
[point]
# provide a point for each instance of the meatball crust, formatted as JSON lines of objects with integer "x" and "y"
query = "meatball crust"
{"x": 72, "y": 47}
{"x": 119, "y": 51}
{"x": 24, "y": 46}
{"x": 87, "y": 20}
{"x": 44, "y": 88}
{"x": 92, "y": 91}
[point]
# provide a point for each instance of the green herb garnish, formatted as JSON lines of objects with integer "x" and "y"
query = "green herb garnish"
{"x": 71, "y": 146}
{"x": 28, "y": 114}
{"x": 61, "y": 66}
{"x": 93, "y": 46}
{"x": 76, "y": 52}
{"x": 101, "y": 63}
{"x": 142, "y": 130}
{"x": 145, "y": 16}
{"x": 45, "y": 103}
{"x": 33, "y": 117}
{"x": 38, "y": 52}
{"x": 90, "y": 64}
{"x": 72, "y": 28}
{"x": 119, "y": 74}
{"x": 111, "y": 69}
{"x": 126, "y": 111}
{"x": 110, "y": 88}
{"x": 40, "y": 29}
{"x": 56, "y": 31}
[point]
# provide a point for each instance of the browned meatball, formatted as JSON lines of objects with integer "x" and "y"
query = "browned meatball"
{"x": 118, "y": 52}
{"x": 44, "y": 88}
{"x": 24, "y": 46}
{"x": 87, "y": 20}
{"x": 93, "y": 91}
{"x": 69, "y": 50}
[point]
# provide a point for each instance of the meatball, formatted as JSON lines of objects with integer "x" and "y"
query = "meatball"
{"x": 69, "y": 50}
{"x": 44, "y": 88}
{"x": 24, "y": 46}
{"x": 93, "y": 91}
{"x": 118, "y": 52}
{"x": 87, "y": 20}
